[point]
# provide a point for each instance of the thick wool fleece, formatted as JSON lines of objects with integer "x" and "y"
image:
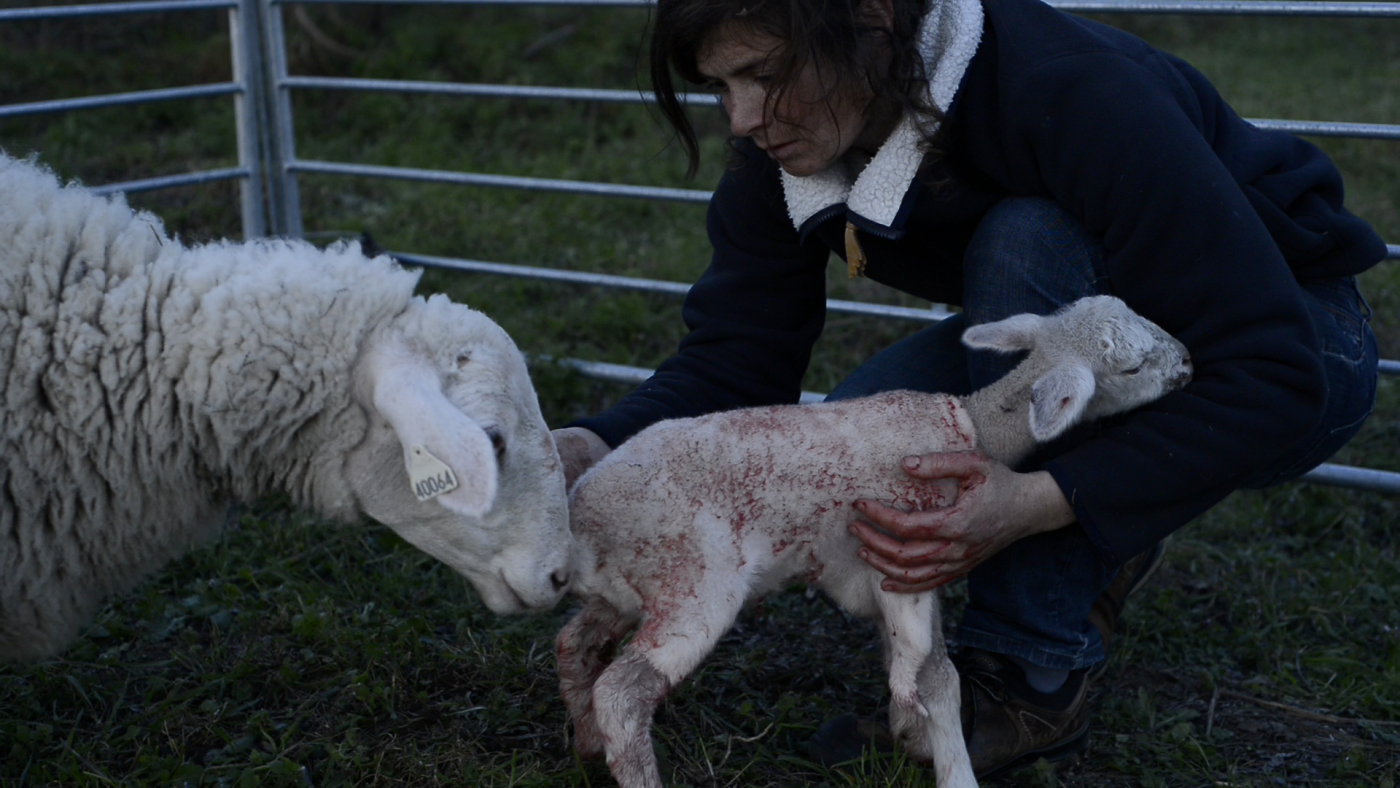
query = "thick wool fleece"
{"x": 146, "y": 384}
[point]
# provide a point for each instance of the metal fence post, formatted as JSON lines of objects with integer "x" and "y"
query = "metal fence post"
{"x": 245, "y": 40}
{"x": 283, "y": 192}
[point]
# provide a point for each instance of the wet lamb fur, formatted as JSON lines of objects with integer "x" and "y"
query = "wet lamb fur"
{"x": 146, "y": 385}
{"x": 687, "y": 521}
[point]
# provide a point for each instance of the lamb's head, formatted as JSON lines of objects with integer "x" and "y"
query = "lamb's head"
{"x": 1093, "y": 358}
{"x": 457, "y": 458}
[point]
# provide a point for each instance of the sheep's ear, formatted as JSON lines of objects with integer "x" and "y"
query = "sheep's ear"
{"x": 448, "y": 455}
{"x": 1013, "y": 334}
{"x": 1059, "y": 399}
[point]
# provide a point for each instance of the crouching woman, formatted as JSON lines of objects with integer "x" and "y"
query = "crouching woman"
{"x": 1006, "y": 157}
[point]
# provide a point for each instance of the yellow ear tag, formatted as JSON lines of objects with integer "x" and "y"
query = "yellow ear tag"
{"x": 429, "y": 476}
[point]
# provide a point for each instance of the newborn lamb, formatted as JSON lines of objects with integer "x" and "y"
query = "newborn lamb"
{"x": 690, "y": 519}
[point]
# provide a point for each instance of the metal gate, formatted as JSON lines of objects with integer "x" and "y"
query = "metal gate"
{"x": 246, "y": 89}
{"x": 269, "y": 166}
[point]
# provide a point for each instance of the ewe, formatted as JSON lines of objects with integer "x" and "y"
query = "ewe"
{"x": 145, "y": 385}
{"x": 691, "y": 518}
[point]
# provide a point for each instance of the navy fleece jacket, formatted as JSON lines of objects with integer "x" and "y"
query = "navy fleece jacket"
{"x": 1207, "y": 222}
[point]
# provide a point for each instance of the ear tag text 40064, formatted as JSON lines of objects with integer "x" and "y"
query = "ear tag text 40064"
{"x": 429, "y": 476}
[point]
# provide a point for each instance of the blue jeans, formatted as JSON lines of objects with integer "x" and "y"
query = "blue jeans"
{"x": 1028, "y": 255}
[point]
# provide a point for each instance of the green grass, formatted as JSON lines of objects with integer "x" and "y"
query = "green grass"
{"x": 293, "y": 653}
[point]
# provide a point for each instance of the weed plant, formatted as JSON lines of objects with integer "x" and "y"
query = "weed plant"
{"x": 293, "y": 653}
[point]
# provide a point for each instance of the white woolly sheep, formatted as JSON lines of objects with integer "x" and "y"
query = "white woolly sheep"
{"x": 687, "y": 521}
{"x": 146, "y": 385}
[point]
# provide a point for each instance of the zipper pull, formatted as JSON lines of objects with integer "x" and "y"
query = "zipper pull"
{"x": 855, "y": 256}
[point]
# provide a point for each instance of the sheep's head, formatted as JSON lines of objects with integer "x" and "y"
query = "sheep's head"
{"x": 1098, "y": 358}
{"x": 458, "y": 460}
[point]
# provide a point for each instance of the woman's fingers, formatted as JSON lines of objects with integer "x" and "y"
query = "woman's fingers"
{"x": 914, "y": 578}
{"x": 899, "y": 552}
{"x": 903, "y": 574}
{"x": 927, "y": 524}
{"x": 896, "y": 587}
{"x": 964, "y": 466}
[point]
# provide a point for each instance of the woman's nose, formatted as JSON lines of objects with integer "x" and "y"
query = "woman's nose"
{"x": 745, "y": 108}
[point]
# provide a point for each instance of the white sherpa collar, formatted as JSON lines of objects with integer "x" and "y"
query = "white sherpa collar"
{"x": 947, "y": 39}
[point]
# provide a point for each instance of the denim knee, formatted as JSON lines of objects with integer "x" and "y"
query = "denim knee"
{"x": 933, "y": 360}
{"x": 1027, "y": 255}
{"x": 1350, "y": 360}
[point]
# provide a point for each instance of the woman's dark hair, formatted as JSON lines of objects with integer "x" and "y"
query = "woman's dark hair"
{"x": 834, "y": 36}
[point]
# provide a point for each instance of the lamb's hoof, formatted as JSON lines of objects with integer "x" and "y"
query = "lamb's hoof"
{"x": 588, "y": 744}
{"x": 589, "y": 753}
{"x": 849, "y": 738}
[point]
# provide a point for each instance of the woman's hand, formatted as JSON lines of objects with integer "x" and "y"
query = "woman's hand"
{"x": 578, "y": 450}
{"x": 995, "y": 507}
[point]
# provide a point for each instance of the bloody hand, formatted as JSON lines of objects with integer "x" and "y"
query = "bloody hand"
{"x": 995, "y": 506}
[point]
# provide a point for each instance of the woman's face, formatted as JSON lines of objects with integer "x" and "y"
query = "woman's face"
{"x": 805, "y": 130}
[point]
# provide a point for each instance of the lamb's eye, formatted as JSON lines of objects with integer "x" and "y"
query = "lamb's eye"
{"x": 498, "y": 442}
{"x": 1133, "y": 371}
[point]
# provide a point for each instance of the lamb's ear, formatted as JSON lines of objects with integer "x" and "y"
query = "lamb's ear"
{"x": 448, "y": 455}
{"x": 1013, "y": 334}
{"x": 1059, "y": 399}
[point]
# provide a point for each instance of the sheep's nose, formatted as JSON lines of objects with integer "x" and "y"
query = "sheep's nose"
{"x": 560, "y": 579}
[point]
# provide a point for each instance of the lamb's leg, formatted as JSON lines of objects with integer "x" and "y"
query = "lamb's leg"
{"x": 939, "y": 688}
{"x": 676, "y": 633}
{"x": 906, "y": 629}
{"x": 584, "y": 648}
{"x": 925, "y": 717}
{"x": 624, "y": 699}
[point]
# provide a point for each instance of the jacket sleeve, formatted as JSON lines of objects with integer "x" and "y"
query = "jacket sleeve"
{"x": 1119, "y": 142}
{"x": 753, "y": 315}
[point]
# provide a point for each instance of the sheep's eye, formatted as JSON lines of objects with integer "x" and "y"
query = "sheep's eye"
{"x": 1133, "y": 371}
{"x": 464, "y": 358}
{"x": 498, "y": 442}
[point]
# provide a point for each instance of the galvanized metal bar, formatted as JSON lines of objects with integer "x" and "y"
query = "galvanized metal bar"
{"x": 1328, "y": 473}
{"x": 516, "y": 3}
{"x": 931, "y": 315}
{"x": 1354, "y": 478}
{"x": 922, "y": 315}
{"x": 120, "y": 99}
{"x": 245, "y": 44}
{"x": 633, "y": 376}
{"x": 1379, "y": 131}
{"x": 1216, "y": 7}
{"x": 1315, "y": 128}
{"x": 1229, "y": 7}
{"x": 501, "y": 181}
{"x": 111, "y": 9}
{"x": 170, "y": 181}
{"x": 535, "y": 184}
{"x": 546, "y": 274}
{"x": 477, "y": 90}
{"x": 286, "y": 196}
